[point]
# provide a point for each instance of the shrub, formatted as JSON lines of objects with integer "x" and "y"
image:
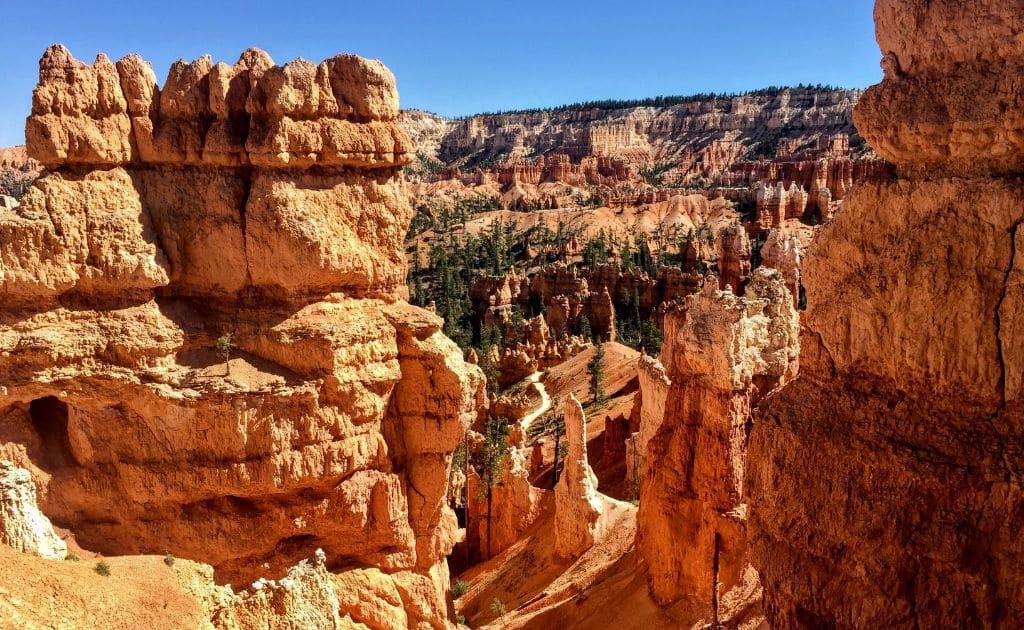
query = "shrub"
{"x": 169, "y": 560}
{"x": 459, "y": 588}
{"x": 71, "y": 557}
{"x": 15, "y": 183}
{"x": 461, "y": 620}
{"x": 102, "y": 568}
{"x": 498, "y": 607}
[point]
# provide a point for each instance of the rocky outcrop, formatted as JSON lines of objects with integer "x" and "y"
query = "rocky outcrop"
{"x": 22, "y": 525}
{"x": 734, "y": 260}
{"x": 577, "y": 504}
{"x": 885, "y": 483}
{"x": 306, "y": 597}
{"x": 722, "y": 354}
{"x": 261, "y": 206}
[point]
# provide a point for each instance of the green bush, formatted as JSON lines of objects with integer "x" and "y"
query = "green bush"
{"x": 459, "y": 588}
{"x": 102, "y": 568}
{"x": 70, "y": 557}
{"x": 169, "y": 560}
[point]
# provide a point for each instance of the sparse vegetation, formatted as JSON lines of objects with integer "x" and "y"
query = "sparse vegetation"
{"x": 169, "y": 560}
{"x": 459, "y": 588}
{"x": 70, "y": 557}
{"x": 654, "y": 174}
{"x": 225, "y": 344}
{"x": 498, "y": 607}
{"x": 15, "y": 183}
{"x": 583, "y": 328}
{"x": 102, "y": 568}
{"x": 659, "y": 101}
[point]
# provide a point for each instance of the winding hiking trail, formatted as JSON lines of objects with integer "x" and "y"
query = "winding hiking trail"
{"x": 545, "y": 403}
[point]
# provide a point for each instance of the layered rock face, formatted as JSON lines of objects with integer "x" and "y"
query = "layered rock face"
{"x": 885, "y": 483}
{"x": 722, "y": 354}
{"x": 683, "y": 133}
{"x": 258, "y": 204}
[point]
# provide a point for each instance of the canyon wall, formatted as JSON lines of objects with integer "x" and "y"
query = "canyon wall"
{"x": 886, "y": 482}
{"x": 204, "y": 342}
{"x": 703, "y": 135}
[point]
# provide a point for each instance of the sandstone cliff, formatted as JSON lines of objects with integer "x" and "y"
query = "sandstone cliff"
{"x": 885, "y": 483}
{"x": 702, "y": 135}
{"x": 203, "y": 340}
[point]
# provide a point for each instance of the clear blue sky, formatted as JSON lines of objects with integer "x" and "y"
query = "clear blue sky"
{"x": 463, "y": 57}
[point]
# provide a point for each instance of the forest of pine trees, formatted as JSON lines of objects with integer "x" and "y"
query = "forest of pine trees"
{"x": 657, "y": 101}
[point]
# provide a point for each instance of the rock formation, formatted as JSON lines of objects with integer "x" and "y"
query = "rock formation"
{"x": 17, "y": 159}
{"x": 885, "y": 483}
{"x": 649, "y": 406}
{"x": 610, "y": 142}
{"x": 203, "y": 337}
{"x": 784, "y": 249}
{"x": 722, "y": 354}
{"x": 22, "y": 525}
{"x": 514, "y": 506}
{"x": 305, "y": 598}
{"x": 577, "y": 505}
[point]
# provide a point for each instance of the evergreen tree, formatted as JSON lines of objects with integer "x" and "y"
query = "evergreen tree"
{"x": 595, "y": 252}
{"x": 490, "y": 461}
{"x": 516, "y": 323}
{"x": 651, "y": 337}
{"x": 596, "y": 370}
{"x": 644, "y": 258}
{"x": 584, "y": 328}
{"x": 626, "y": 254}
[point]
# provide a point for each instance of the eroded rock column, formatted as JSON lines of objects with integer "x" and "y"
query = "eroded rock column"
{"x": 722, "y": 354}
{"x": 577, "y": 504}
{"x": 886, "y": 482}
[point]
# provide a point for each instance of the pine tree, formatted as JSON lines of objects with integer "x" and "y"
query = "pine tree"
{"x": 584, "y": 328}
{"x": 596, "y": 370}
{"x": 225, "y": 344}
{"x": 490, "y": 461}
{"x": 626, "y": 254}
{"x": 651, "y": 337}
{"x": 644, "y": 258}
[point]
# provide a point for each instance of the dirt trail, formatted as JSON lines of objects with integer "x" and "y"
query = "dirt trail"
{"x": 545, "y": 403}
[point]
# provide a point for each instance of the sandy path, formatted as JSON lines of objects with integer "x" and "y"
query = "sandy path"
{"x": 545, "y": 403}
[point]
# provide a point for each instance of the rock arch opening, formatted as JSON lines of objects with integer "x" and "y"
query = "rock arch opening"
{"x": 50, "y": 421}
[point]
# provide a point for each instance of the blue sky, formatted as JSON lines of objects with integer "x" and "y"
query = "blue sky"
{"x": 463, "y": 57}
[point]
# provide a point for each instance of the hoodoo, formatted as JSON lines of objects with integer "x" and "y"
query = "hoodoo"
{"x": 203, "y": 334}
{"x": 885, "y": 482}
{"x": 722, "y": 354}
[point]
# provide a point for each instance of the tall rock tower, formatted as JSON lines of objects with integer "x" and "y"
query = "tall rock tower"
{"x": 887, "y": 482}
